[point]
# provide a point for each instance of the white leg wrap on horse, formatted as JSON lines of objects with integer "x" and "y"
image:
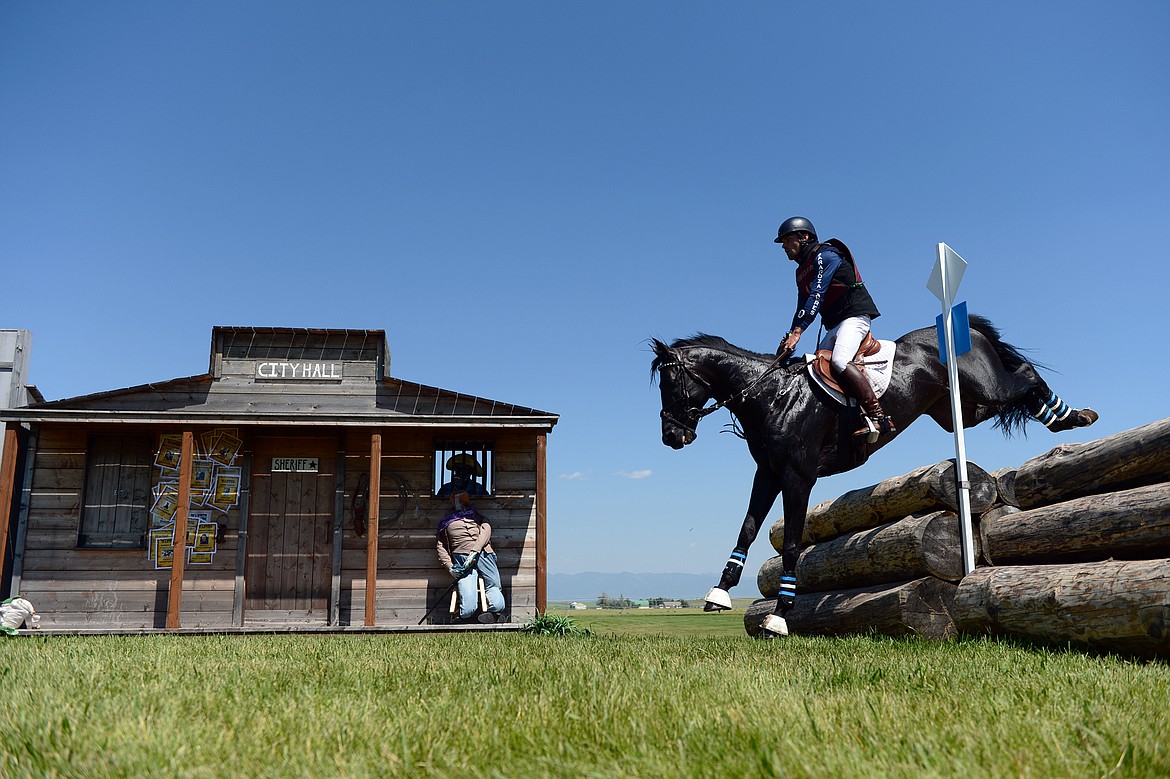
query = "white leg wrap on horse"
{"x": 717, "y": 600}
{"x": 776, "y": 625}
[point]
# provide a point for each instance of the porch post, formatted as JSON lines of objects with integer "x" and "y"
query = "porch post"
{"x": 179, "y": 550}
{"x": 338, "y": 536}
{"x": 239, "y": 593}
{"x": 21, "y": 540}
{"x": 7, "y": 484}
{"x": 372, "y": 525}
{"x": 541, "y": 523}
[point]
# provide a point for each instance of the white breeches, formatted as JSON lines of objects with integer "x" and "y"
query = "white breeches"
{"x": 845, "y": 339}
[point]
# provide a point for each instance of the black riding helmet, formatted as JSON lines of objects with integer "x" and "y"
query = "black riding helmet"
{"x": 795, "y": 224}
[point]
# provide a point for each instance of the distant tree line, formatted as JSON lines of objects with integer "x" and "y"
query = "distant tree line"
{"x": 606, "y": 601}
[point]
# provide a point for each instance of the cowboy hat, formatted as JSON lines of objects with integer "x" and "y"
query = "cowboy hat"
{"x": 464, "y": 462}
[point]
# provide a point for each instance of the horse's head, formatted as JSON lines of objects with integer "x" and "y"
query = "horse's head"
{"x": 683, "y": 395}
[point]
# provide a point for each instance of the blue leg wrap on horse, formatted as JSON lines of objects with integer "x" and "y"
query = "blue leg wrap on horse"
{"x": 787, "y": 593}
{"x": 733, "y": 570}
{"x": 1052, "y": 410}
{"x": 1058, "y": 407}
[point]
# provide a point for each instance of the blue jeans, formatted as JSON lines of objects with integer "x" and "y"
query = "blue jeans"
{"x": 485, "y": 566}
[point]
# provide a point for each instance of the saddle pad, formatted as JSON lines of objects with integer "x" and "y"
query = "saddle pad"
{"x": 878, "y": 369}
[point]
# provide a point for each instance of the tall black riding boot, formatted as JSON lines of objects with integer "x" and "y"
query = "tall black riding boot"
{"x": 853, "y": 381}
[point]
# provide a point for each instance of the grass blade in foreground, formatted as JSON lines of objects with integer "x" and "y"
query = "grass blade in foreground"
{"x": 517, "y": 705}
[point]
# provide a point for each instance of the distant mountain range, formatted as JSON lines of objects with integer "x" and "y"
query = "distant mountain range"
{"x": 587, "y": 586}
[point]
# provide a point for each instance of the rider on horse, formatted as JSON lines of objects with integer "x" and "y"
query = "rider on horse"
{"x": 828, "y": 284}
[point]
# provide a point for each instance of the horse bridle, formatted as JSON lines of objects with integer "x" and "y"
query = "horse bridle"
{"x": 699, "y": 413}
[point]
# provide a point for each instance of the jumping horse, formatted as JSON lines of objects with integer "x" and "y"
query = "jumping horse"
{"x": 796, "y": 432}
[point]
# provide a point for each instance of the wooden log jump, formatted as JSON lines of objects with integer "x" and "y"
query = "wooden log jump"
{"x": 1115, "y": 606}
{"x": 917, "y": 546}
{"x": 1077, "y": 541}
{"x": 1005, "y": 485}
{"x": 1131, "y": 524}
{"x": 924, "y": 489}
{"x": 920, "y": 607}
{"x": 1124, "y": 460}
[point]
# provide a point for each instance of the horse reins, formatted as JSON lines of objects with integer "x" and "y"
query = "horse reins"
{"x": 707, "y": 410}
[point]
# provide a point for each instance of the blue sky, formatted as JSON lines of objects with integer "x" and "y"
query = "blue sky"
{"x": 521, "y": 194}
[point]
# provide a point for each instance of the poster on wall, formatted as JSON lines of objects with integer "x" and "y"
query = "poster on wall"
{"x": 205, "y": 537}
{"x": 163, "y": 532}
{"x": 201, "y": 475}
{"x": 205, "y": 444}
{"x": 227, "y": 446}
{"x": 226, "y": 492}
{"x": 170, "y": 451}
{"x": 166, "y": 500}
{"x": 214, "y": 486}
{"x": 164, "y": 552}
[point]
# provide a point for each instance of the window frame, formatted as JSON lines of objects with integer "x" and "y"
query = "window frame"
{"x": 484, "y": 453}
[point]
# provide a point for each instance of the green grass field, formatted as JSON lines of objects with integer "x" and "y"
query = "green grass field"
{"x": 647, "y": 695}
{"x": 691, "y": 621}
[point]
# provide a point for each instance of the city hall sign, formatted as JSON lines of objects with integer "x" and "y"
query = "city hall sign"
{"x": 302, "y": 370}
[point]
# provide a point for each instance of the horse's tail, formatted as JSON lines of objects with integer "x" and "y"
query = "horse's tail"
{"x": 1012, "y": 417}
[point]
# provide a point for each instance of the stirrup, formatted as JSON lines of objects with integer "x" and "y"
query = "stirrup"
{"x": 874, "y": 427}
{"x": 870, "y": 430}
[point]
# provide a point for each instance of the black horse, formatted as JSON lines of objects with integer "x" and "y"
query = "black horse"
{"x": 796, "y": 432}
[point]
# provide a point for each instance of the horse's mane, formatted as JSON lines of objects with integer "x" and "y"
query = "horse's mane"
{"x": 707, "y": 342}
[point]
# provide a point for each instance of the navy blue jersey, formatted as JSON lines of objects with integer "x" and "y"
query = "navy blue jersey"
{"x": 829, "y": 285}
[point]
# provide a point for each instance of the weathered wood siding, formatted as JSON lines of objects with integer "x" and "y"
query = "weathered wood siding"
{"x": 86, "y": 588}
{"x": 73, "y": 587}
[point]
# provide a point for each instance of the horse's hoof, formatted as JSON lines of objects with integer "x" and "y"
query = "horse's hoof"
{"x": 774, "y": 625}
{"x": 717, "y": 600}
{"x": 1082, "y": 417}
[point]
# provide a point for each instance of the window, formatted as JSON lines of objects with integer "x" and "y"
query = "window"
{"x": 463, "y": 465}
{"x": 115, "y": 511}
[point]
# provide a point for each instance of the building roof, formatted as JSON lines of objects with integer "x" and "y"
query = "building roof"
{"x": 246, "y": 386}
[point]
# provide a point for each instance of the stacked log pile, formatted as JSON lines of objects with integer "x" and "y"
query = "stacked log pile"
{"x": 1085, "y": 559}
{"x": 884, "y": 558}
{"x": 1072, "y": 546}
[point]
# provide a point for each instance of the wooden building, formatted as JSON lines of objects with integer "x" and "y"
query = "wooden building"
{"x": 296, "y": 484}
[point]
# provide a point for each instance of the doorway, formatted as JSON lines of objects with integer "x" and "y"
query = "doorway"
{"x": 290, "y": 530}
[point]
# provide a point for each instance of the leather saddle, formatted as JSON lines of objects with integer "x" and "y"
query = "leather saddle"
{"x": 869, "y": 347}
